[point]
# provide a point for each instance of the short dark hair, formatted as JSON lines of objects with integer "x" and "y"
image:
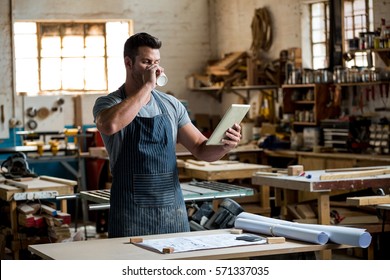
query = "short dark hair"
{"x": 140, "y": 40}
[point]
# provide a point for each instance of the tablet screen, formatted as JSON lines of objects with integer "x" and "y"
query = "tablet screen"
{"x": 234, "y": 114}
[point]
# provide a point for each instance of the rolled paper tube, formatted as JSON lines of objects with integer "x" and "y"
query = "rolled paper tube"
{"x": 337, "y": 234}
{"x": 307, "y": 235}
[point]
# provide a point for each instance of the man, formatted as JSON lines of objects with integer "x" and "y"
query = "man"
{"x": 140, "y": 127}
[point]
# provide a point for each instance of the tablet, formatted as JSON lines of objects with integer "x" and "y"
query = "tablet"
{"x": 234, "y": 114}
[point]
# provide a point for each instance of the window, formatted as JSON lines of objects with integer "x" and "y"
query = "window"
{"x": 319, "y": 16}
{"x": 358, "y": 17}
{"x": 69, "y": 57}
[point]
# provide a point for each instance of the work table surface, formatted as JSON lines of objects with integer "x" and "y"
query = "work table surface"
{"x": 122, "y": 249}
{"x": 311, "y": 180}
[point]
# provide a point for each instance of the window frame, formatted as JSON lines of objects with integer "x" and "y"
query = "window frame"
{"x": 118, "y": 56}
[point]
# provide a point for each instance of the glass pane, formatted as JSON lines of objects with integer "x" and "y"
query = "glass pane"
{"x": 116, "y": 72}
{"x": 361, "y": 60}
{"x": 51, "y": 74}
{"x": 318, "y": 24}
{"x": 95, "y": 77}
{"x": 349, "y": 34}
{"x": 94, "y": 29}
{"x": 73, "y": 46}
{"x": 73, "y": 73}
{"x": 25, "y": 28}
{"x": 360, "y": 22}
{"x": 349, "y": 64}
{"x": 94, "y": 46}
{"x": 25, "y": 46}
{"x": 317, "y": 10}
{"x": 348, "y": 22}
{"x": 359, "y": 5}
{"x": 318, "y": 36}
{"x": 319, "y": 62}
{"x": 50, "y": 29}
{"x": 73, "y": 29}
{"x": 26, "y": 75}
{"x": 347, "y": 8}
{"x": 319, "y": 49}
{"x": 51, "y": 46}
{"x": 357, "y": 33}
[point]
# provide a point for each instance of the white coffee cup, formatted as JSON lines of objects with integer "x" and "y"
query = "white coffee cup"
{"x": 162, "y": 80}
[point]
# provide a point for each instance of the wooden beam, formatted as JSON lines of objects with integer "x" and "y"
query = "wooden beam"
{"x": 368, "y": 200}
{"x": 354, "y": 174}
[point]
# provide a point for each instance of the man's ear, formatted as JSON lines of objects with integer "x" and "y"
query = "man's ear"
{"x": 128, "y": 62}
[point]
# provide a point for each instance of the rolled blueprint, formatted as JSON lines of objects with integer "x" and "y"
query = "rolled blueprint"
{"x": 337, "y": 234}
{"x": 308, "y": 235}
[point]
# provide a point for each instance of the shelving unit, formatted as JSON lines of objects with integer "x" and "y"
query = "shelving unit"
{"x": 309, "y": 102}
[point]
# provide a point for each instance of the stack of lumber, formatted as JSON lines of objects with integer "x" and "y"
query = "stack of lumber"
{"x": 36, "y": 215}
{"x": 227, "y": 65}
{"x": 29, "y": 216}
{"x": 59, "y": 233}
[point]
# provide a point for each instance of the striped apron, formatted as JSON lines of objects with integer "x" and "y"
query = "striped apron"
{"x": 146, "y": 197}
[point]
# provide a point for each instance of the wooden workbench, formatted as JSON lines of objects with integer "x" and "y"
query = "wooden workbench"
{"x": 323, "y": 188}
{"x": 121, "y": 249}
{"x": 44, "y": 187}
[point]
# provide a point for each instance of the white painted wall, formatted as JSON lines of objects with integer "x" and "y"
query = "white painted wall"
{"x": 6, "y": 100}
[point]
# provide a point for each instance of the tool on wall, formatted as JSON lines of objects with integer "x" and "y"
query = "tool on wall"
{"x": 2, "y": 117}
{"x": 261, "y": 31}
{"x": 43, "y": 113}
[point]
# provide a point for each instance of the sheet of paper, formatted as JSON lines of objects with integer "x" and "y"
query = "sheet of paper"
{"x": 192, "y": 243}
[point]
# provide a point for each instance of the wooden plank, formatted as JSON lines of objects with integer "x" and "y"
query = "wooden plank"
{"x": 59, "y": 180}
{"x": 264, "y": 173}
{"x": 368, "y": 200}
{"x": 305, "y": 211}
{"x": 16, "y": 184}
{"x": 197, "y": 162}
{"x": 354, "y": 169}
{"x": 355, "y": 174}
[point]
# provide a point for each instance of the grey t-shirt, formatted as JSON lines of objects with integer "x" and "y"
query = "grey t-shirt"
{"x": 178, "y": 117}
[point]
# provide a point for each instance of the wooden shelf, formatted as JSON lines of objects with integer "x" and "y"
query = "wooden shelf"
{"x": 305, "y": 123}
{"x": 216, "y": 92}
{"x": 362, "y": 83}
{"x": 304, "y": 102}
{"x": 298, "y": 85}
